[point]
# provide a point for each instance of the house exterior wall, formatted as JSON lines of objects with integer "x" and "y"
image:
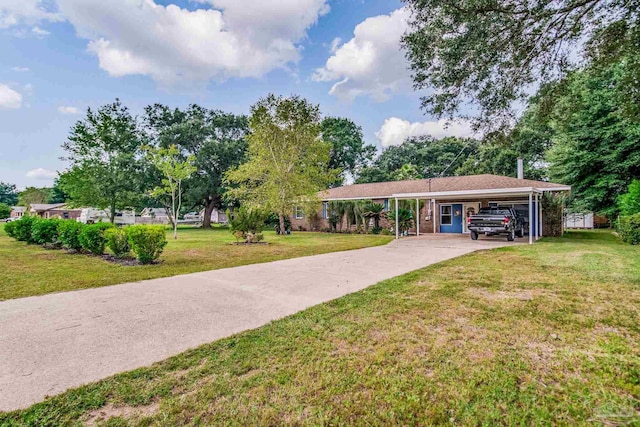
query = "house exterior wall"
{"x": 62, "y": 213}
{"x": 429, "y": 219}
{"x": 16, "y": 213}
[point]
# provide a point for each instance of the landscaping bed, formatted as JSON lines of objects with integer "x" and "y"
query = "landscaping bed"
{"x": 525, "y": 335}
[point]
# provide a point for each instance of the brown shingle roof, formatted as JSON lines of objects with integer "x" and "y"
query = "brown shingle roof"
{"x": 453, "y": 183}
{"x": 46, "y": 206}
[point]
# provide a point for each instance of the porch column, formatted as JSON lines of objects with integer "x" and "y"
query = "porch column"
{"x": 417, "y": 217}
{"x": 541, "y": 231}
{"x": 396, "y": 221}
{"x": 433, "y": 215}
{"x": 531, "y": 218}
{"x": 537, "y": 235}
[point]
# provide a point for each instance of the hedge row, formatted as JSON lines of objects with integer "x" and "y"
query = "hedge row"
{"x": 146, "y": 241}
{"x": 629, "y": 229}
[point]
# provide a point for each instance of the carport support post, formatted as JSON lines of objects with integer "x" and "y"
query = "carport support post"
{"x": 531, "y": 218}
{"x": 396, "y": 217}
{"x": 433, "y": 215}
{"x": 541, "y": 233}
{"x": 417, "y": 217}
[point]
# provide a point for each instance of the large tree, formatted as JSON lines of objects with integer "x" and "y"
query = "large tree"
{"x": 104, "y": 151}
{"x": 8, "y": 194}
{"x": 492, "y": 51}
{"x": 349, "y": 153}
{"x": 421, "y": 157}
{"x": 287, "y": 160}
{"x": 216, "y": 139}
{"x": 596, "y": 145}
{"x": 31, "y": 195}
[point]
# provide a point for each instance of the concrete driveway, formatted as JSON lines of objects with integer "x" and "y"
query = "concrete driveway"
{"x": 53, "y": 342}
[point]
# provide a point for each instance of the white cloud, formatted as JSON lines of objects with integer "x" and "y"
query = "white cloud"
{"x": 42, "y": 174}
{"x": 26, "y": 12}
{"x": 39, "y": 32}
{"x": 68, "y": 110}
{"x": 9, "y": 98}
{"x": 231, "y": 38}
{"x": 395, "y": 131}
{"x": 372, "y": 62}
{"x": 20, "y": 69}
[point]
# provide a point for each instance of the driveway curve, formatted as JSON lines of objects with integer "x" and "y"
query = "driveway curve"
{"x": 53, "y": 342}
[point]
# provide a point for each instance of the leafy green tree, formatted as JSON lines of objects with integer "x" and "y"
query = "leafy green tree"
{"x": 597, "y": 147}
{"x": 287, "y": 161}
{"x": 175, "y": 171}
{"x": 217, "y": 140}
{"x": 349, "y": 153}
{"x": 5, "y": 211}
{"x": 427, "y": 156}
{"x": 104, "y": 151}
{"x": 490, "y": 52}
{"x": 57, "y": 194}
{"x": 8, "y": 194}
{"x": 33, "y": 195}
{"x": 629, "y": 202}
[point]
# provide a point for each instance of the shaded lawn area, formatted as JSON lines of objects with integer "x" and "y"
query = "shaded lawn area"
{"x": 524, "y": 335}
{"x": 27, "y": 270}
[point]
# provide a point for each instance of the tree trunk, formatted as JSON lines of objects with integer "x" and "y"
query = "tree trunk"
{"x": 282, "y": 226}
{"x": 112, "y": 213}
{"x": 208, "y": 208}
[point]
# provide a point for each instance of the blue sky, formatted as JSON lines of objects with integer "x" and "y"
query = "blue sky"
{"x": 59, "y": 57}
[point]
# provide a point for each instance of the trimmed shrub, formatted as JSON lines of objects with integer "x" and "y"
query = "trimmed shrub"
{"x": 45, "y": 231}
{"x": 92, "y": 237}
{"x": 22, "y": 230}
{"x": 629, "y": 229}
{"x": 147, "y": 242}
{"x": 69, "y": 234}
{"x": 10, "y": 229}
{"x": 249, "y": 222}
{"x": 118, "y": 241}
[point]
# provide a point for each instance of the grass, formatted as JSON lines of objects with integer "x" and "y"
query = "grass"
{"x": 27, "y": 270}
{"x": 528, "y": 335}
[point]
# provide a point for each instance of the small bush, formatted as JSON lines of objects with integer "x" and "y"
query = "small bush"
{"x": 22, "y": 229}
{"x": 92, "y": 237}
{"x": 147, "y": 242}
{"x": 45, "y": 231}
{"x": 118, "y": 241}
{"x": 629, "y": 229}
{"x": 10, "y": 229}
{"x": 69, "y": 234}
{"x": 249, "y": 222}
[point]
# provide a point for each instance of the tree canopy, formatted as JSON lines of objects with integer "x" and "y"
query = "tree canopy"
{"x": 216, "y": 140}
{"x": 349, "y": 153}
{"x": 287, "y": 161}
{"x": 104, "y": 151}
{"x": 8, "y": 194}
{"x": 491, "y": 52}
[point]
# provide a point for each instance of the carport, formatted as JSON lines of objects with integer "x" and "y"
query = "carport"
{"x": 434, "y": 199}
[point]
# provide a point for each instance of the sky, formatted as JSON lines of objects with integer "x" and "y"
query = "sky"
{"x": 59, "y": 57}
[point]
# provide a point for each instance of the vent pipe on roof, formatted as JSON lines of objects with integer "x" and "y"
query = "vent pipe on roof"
{"x": 520, "y": 168}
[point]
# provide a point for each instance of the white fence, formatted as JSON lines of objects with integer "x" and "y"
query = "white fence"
{"x": 579, "y": 220}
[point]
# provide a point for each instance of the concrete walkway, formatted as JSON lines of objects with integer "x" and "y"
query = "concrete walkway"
{"x": 53, "y": 342}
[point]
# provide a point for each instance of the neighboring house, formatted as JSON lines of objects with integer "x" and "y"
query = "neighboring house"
{"x": 93, "y": 215}
{"x": 446, "y": 203}
{"x": 154, "y": 216}
{"x": 17, "y": 212}
{"x": 579, "y": 220}
{"x": 54, "y": 210}
{"x": 217, "y": 216}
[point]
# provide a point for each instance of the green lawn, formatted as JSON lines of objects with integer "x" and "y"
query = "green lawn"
{"x": 31, "y": 270}
{"x": 528, "y": 335}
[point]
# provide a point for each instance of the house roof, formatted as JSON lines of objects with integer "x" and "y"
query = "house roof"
{"x": 46, "y": 206}
{"x": 470, "y": 183}
{"x": 19, "y": 209}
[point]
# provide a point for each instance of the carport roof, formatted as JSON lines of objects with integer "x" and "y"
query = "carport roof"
{"x": 455, "y": 185}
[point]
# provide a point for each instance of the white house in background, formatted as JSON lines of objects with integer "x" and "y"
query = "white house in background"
{"x": 158, "y": 215}
{"x": 217, "y": 216}
{"x": 93, "y": 215}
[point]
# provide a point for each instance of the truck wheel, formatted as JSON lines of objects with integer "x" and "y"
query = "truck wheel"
{"x": 520, "y": 233}
{"x": 511, "y": 236}
{"x": 474, "y": 235}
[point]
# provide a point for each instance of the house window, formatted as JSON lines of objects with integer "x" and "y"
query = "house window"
{"x": 298, "y": 213}
{"x": 445, "y": 215}
{"x": 386, "y": 205}
{"x": 325, "y": 210}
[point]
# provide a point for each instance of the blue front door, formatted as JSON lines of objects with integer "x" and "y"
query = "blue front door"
{"x": 451, "y": 218}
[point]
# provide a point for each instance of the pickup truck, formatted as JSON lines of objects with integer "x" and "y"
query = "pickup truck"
{"x": 496, "y": 220}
